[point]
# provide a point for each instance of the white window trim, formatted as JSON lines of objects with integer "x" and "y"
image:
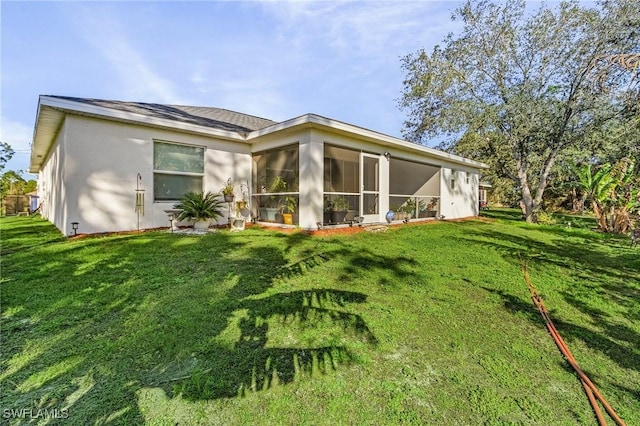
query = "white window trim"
{"x": 178, "y": 173}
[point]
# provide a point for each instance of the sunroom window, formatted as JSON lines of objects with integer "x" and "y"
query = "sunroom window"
{"x": 177, "y": 169}
{"x": 341, "y": 184}
{"x": 275, "y": 184}
{"x": 414, "y": 189}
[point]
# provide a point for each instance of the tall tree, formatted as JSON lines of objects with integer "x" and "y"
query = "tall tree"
{"x": 6, "y": 152}
{"x": 12, "y": 183}
{"x": 522, "y": 83}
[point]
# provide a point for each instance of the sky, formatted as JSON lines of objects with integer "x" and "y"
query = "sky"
{"x": 273, "y": 59}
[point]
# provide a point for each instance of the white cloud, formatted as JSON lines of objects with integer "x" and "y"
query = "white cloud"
{"x": 16, "y": 134}
{"x": 364, "y": 28}
{"x": 239, "y": 90}
{"x": 138, "y": 78}
{"x": 347, "y": 54}
{"x": 259, "y": 97}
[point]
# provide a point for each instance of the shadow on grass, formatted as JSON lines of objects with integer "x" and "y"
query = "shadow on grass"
{"x": 251, "y": 366}
{"x": 502, "y": 213}
{"x": 609, "y": 275}
{"x": 21, "y": 233}
{"x": 562, "y": 219}
{"x": 89, "y": 323}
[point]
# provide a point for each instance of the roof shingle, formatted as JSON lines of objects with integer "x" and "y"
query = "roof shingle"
{"x": 217, "y": 118}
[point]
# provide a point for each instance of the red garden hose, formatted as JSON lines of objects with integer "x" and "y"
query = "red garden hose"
{"x": 590, "y": 389}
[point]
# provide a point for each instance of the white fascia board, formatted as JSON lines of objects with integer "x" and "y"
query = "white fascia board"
{"x": 45, "y": 130}
{"x": 313, "y": 120}
{"x": 82, "y": 108}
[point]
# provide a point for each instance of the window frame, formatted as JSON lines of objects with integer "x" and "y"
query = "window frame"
{"x": 176, "y": 172}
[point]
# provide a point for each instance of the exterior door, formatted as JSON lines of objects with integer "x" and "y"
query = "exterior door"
{"x": 370, "y": 193}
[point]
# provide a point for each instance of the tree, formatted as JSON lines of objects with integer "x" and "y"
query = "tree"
{"x": 6, "y": 152}
{"x": 603, "y": 66}
{"x": 11, "y": 183}
{"x": 521, "y": 83}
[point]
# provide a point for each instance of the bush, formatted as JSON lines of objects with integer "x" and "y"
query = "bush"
{"x": 545, "y": 218}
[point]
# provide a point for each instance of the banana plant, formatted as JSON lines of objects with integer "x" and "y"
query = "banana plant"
{"x": 612, "y": 194}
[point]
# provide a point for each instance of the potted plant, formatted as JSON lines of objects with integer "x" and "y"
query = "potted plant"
{"x": 402, "y": 212}
{"x": 199, "y": 207}
{"x": 269, "y": 211}
{"x": 277, "y": 185}
{"x": 240, "y": 205}
{"x": 227, "y": 191}
{"x": 409, "y": 208}
{"x": 288, "y": 209}
{"x": 326, "y": 213}
{"x": 432, "y": 207}
{"x": 339, "y": 207}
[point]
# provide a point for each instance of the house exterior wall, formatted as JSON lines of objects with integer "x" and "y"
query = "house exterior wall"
{"x": 457, "y": 203}
{"x": 90, "y": 174}
{"x": 311, "y": 179}
{"x": 51, "y": 184}
{"x": 461, "y": 200}
{"x": 100, "y": 170}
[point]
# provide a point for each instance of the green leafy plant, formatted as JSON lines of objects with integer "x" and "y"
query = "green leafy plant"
{"x": 241, "y": 205}
{"x": 613, "y": 193}
{"x": 199, "y": 206}
{"x": 228, "y": 188}
{"x": 290, "y": 204}
{"x": 433, "y": 203}
{"x": 339, "y": 204}
{"x": 545, "y": 218}
{"x": 409, "y": 206}
{"x": 277, "y": 185}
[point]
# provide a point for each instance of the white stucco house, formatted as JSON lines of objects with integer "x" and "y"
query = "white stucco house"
{"x": 94, "y": 156}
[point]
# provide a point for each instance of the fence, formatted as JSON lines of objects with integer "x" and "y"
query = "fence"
{"x": 15, "y": 205}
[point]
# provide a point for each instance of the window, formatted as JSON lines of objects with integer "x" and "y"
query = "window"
{"x": 342, "y": 185}
{"x": 468, "y": 178}
{"x": 454, "y": 175}
{"x": 276, "y": 170}
{"x": 177, "y": 169}
{"x": 414, "y": 189}
{"x": 341, "y": 170}
{"x": 275, "y": 184}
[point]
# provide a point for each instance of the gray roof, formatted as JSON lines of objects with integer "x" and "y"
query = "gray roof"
{"x": 217, "y": 118}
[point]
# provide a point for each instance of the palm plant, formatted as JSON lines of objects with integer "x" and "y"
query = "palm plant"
{"x": 612, "y": 193}
{"x": 199, "y": 206}
{"x": 596, "y": 187}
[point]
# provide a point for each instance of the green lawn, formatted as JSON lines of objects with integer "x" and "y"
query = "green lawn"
{"x": 428, "y": 324}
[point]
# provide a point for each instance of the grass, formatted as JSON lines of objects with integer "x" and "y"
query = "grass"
{"x": 427, "y": 324}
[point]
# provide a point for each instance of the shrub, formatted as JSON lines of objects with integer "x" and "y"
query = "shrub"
{"x": 545, "y": 218}
{"x": 199, "y": 206}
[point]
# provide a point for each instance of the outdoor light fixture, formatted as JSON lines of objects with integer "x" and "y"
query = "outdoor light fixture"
{"x": 74, "y": 226}
{"x": 386, "y": 155}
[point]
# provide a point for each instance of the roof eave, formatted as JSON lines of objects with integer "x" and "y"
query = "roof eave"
{"x": 119, "y": 115}
{"x": 44, "y": 136}
{"x": 317, "y": 121}
{"x": 47, "y": 126}
{"x": 52, "y": 111}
